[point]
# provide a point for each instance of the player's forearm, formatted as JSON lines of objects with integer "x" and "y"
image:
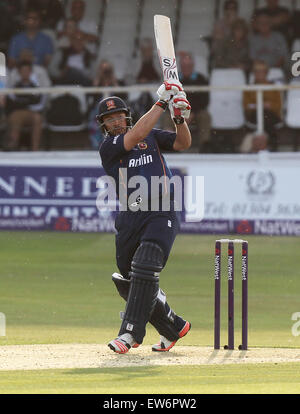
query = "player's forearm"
{"x": 143, "y": 127}
{"x": 183, "y": 137}
{"x": 148, "y": 121}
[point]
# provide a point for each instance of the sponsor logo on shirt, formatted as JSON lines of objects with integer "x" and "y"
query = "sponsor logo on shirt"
{"x": 142, "y": 145}
{"x": 142, "y": 160}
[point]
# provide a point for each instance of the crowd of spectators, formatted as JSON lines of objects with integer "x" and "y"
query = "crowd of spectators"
{"x": 45, "y": 46}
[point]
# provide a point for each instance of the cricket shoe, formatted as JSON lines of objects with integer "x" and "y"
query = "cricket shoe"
{"x": 123, "y": 343}
{"x": 122, "y": 313}
{"x": 165, "y": 345}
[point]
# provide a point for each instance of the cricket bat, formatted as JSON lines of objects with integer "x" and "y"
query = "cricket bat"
{"x": 166, "y": 52}
{"x": 165, "y": 48}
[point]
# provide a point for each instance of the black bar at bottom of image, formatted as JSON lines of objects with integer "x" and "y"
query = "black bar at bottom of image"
{"x": 134, "y": 403}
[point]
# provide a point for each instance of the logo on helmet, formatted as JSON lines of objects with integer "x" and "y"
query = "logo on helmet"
{"x": 110, "y": 104}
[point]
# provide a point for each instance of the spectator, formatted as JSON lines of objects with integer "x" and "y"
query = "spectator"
{"x": 31, "y": 39}
{"x": 39, "y": 73}
{"x": 147, "y": 72}
{"x": 70, "y": 29}
{"x": 222, "y": 28}
{"x": 75, "y": 63}
{"x": 62, "y": 45}
{"x": 280, "y": 18}
{"x": 87, "y": 28}
{"x": 233, "y": 51}
{"x": 271, "y": 102}
{"x": 144, "y": 68}
{"x": 268, "y": 45}
{"x": 24, "y": 110}
{"x": 51, "y": 11}
{"x": 105, "y": 76}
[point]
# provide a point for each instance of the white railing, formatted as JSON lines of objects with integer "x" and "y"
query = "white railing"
{"x": 107, "y": 91}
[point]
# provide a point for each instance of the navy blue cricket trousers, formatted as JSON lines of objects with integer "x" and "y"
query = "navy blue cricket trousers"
{"x": 159, "y": 227}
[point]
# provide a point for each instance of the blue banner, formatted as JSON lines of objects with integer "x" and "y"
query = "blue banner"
{"x": 53, "y": 198}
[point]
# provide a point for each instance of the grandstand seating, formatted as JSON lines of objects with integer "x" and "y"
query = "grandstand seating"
{"x": 201, "y": 65}
{"x": 195, "y": 24}
{"x": 92, "y": 8}
{"x": 226, "y": 107}
{"x": 117, "y": 40}
{"x": 82, "y": 108}
{"x": 57, "y": 123}
{"x": 245, "y": 9}
{"x": 123, "y": 24}
{"x": 296, "y": 46}
{"x": 292, "y": 118}
{"x": 283, "y": 3}
{"x": 167, "y": 7}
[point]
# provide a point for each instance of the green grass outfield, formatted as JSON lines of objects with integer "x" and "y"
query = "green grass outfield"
{"x": 57, "y": 288}
{"x": 231, "y": 379}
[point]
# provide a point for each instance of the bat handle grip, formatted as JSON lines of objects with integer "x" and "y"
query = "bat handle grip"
{"x": 177, "y": 113}
{"x": 178, "y": 119}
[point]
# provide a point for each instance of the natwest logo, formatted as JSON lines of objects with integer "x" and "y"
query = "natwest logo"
{"x": 244, "y": 227}
{"x": 62, "y": 224}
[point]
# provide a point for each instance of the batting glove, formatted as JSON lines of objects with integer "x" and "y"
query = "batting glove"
{"x": 180, "y": 108}
{"x": 167, "y": 90}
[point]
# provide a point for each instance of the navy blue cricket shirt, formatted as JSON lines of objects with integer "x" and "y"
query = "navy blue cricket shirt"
{"x": 145, "y": 159}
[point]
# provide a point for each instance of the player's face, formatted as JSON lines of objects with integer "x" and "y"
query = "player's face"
{"x": 115, "y": 123}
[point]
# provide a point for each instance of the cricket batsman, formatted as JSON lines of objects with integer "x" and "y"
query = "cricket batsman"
{"x": 144, "y": 238}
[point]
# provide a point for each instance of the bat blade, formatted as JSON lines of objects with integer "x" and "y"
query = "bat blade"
{"x": 165, "y": 48}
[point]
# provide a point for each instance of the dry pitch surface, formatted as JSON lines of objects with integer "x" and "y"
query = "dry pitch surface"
{"x": 32, "y": 357}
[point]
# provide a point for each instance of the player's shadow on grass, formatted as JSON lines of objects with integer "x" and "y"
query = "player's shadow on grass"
{"x": 129, "y": 372}
{"x": 132, "y": 365}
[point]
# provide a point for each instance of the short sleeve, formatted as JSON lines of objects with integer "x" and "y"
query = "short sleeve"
{"x": 111, "y": 149}
{"x": 165, "y": 139}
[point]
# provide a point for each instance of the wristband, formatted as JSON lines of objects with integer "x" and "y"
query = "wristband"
{"x": 178, "y": 120}
{"x": 162, "y": 104}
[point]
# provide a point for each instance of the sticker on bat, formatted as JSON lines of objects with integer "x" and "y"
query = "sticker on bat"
{"x": 169, "y": 68}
